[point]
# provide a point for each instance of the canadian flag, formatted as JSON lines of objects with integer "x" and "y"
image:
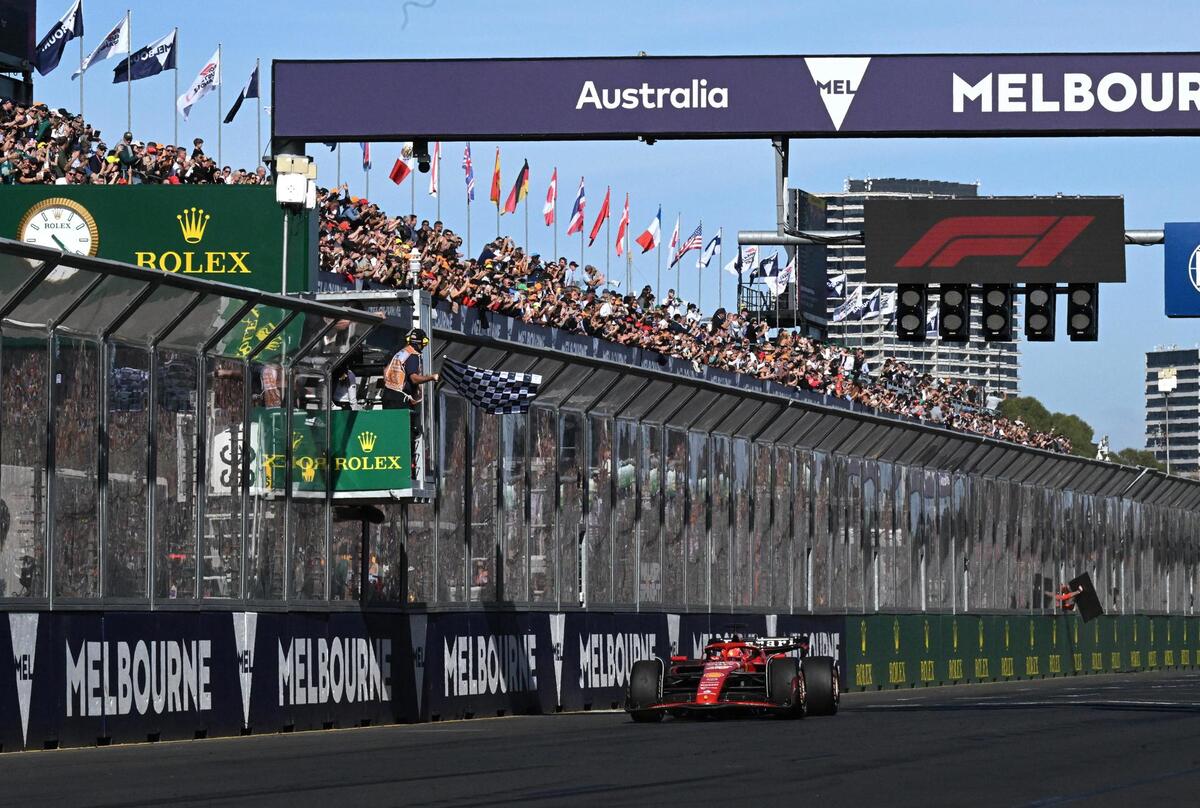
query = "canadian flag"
{"x": 649, "y": 239}
{"x": 551, "y": 199}
{"x": 622, "y": 227}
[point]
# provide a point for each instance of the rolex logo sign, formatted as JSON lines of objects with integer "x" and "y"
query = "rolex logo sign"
{"x": 193, "y": 225}
{"x": 366, "y": 440}
{"x": 192, "y": 222}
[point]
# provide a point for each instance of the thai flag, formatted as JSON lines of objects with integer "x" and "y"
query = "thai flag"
{"x": 576, "y": 224}
{"x": 649, "y": 239}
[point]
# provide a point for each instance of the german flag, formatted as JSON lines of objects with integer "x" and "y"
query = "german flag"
{"x": 519, "y": 190}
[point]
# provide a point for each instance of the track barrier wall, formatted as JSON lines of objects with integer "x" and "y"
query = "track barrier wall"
{"x": 82, "y": 678}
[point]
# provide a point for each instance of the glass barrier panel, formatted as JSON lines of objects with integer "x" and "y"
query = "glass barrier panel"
{"x": 821, "y": 544}
{"x": 221, "y": 550}
{"x": 387, "y": 567}
{"x": 598, "y": 558}
{"x": 625, "y": 508}
{"x": 51, "y": 298}
{"x": 485, "y": 547}
{"x": 75, "y": 507}
{"x": 674, "y": 522}
{"x": 24, "y": 399}
{"x": 719, "y": 524}
{"x": 153, "y": 315}
{"x": 741, "y": 551}
{"x": 126, "y": 544}
{"x": 451, "y": 532}
{"x": 310, "y": 466}
{"x": 572, "y": 472}
{"x": 14, "y": 271}
{"x": 543, "y": 461}
{"x": 513, "y": 450}
{"x": 346, "y": 550}
{"x": 176, "y": 375}
{"x": 696, "y": 554}
{"x": 782, "y": 535}
{"x": 650, "y": 552}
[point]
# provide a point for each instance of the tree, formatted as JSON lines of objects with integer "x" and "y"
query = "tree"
{"x": 1035, "y": 416}
{"x": 1138, "y": 457}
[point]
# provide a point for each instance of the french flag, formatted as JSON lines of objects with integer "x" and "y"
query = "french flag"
{"x": 649, "y": 240}
{"x": 576, "y": 224}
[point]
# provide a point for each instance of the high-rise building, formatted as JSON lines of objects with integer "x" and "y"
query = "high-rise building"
{"x": 993, "y": 366}
{"x": 1173, "y": 417}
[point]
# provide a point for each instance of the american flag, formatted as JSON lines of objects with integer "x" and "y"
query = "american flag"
{"x": 694, "y": 242}
{"x": 469, "y": 169}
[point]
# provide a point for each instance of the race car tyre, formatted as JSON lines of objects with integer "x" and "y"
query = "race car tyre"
{"x": 785, "y": 686}
{"x": 645, "y": 687}
{"x": 824, "y": 689}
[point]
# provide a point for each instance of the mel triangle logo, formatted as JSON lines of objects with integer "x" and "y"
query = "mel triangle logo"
{"x": 837, "y": 79}
{"x": 418, "y": 626}
{"x": 245, "y": 627}
{"x": 558, "y": 626}
{"x": 772, "y": 624}
{"x": 673, "y": 632}
{"x": 23, "y": 630}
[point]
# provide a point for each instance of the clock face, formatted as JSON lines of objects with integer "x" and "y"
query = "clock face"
{"x": 61, "y": 224}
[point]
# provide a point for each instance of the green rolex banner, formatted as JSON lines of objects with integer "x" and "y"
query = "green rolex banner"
{"x": 370, "y": 452}
{"x": 228, "y": 233}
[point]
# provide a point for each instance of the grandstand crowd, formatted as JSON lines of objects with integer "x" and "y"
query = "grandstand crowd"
{"x": 363, "y": 244}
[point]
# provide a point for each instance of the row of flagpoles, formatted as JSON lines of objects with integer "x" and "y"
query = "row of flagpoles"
{"x": 744, "y": 264}
{"x": 151, "y": 60}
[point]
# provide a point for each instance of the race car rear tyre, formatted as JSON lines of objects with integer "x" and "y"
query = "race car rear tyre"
{"x": 785, "y": 686}
{"x": 821, "y": 680}
{"x": 645, "y": 687}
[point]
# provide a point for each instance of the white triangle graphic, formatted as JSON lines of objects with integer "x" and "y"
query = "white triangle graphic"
{"x": 837, "y": 79}
{"x": 673, "y": 632}
{"x": 772, "y": 624}
{"x": 418, "y": 625}
{"x": 558, "y": 629}
{"x": 23, "y": 630}
{"x": 245, "y": 627}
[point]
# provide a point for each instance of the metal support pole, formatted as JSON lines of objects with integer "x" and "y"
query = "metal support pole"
{"x": 220, "y": 106}
{"x": 175, "y": 73}
{"x": 782, "y": 154}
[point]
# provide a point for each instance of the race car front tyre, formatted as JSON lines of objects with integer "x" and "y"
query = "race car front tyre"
{"x": 821, "y": 680}
{"x": 785, "y": 686}
{"x": 645, "y": 687}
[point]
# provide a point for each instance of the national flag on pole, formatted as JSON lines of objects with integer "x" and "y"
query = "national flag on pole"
{"x": 623, "y": 227}
{"x": 495, "y": 195}
{"x": 435, "y": 169}
{"x": 493, "y": 391}
{"x": 249, "y": 91}
{"x": 207, "y": 80}
{"x": 519, "y": 190}
{"x": 469, "y": 172}
{"x": 551, "y": 199}
{"x": 837, "y": 285}
{"x": 673, "y": 245}
{"x": 116, "y": 42}
{"x": 600, "y": 218}
{"x": 745, "y": 257}
{"x": 366, "y": 155}
{"x": 50, "y": 49}
{"x": 576, "y": 223}
{"x": 782, "y": 279}
{"x": 694, "y": 242}
{"x": 649, "y": 239}
{"x": 400, "y": 171}
{"x": 851, "y": 307}
{"x": 710, "y": 250}
{"x": 148, "y": 61}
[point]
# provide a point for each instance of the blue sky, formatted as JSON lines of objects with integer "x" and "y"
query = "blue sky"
{"x": 727, "y": 184}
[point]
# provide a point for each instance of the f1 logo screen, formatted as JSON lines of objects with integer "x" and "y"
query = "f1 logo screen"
{"x": 994, "y": 240}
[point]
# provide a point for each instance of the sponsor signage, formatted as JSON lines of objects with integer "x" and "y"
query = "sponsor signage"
{"x": 1181, "y": 269}
{"x": 228, "y": 234}
{"x": 723, "y": 96}
{"x": 995, "y": 240}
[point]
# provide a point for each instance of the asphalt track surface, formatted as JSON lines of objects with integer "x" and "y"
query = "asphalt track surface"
{"x": 1101, "y": 740}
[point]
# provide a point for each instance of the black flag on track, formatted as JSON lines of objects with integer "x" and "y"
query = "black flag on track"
{"x": 494, "y": 391}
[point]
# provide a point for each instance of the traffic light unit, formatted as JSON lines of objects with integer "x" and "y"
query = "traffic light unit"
{"x": 1040, "y": 306}
{"x": 997, "y": 309}
{"x": 911, "y": 307}
{"x": 954, "y": 313}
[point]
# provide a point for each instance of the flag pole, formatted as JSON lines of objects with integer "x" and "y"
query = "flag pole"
{"x": 658, "y": 295}
{"x": 128, "y": 73}
{"x": 258, "y": 120}
{"x": 720, "y": 277}
{"x": 628, "y": 257}
{"x": 338, "y": 150}
{"x": 581, "y": 229}
{"x": 608, "y": 240}
{"x": 367, "y": 179}
{"x": 700, "y": 281}
{"x": 439, "y": 183}
{"x": 468, "y": 255}
{"x": 220, "y": 106}
{"x": 80, "y": 76}
{"x": 174, "y": 111}
{"x": 526, "y": 218}
{"x": 678, "y": 268}
{"x": 555, "y": 175}
{"x": 412, "y": 194}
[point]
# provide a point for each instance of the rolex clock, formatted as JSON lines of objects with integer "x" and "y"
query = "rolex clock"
{"x": 62, "y": 224}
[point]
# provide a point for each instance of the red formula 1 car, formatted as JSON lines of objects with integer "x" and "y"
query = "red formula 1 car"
{"x": 754, "y": 675}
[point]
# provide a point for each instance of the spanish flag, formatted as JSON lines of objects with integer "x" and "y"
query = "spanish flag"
{"x": 519, "y": 190}
{"x": 495, "y": 197}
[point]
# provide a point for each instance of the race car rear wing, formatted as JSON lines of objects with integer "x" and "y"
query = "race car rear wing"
{"x": 774, "y": 645}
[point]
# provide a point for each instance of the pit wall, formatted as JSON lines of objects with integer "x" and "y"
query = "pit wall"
{"x": 83, "y": 678}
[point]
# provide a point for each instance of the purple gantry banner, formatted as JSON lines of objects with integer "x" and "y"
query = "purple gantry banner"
{"x": 739, "y": 96}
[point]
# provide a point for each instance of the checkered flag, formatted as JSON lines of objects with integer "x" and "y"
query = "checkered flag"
{"x": 494, "y": 391}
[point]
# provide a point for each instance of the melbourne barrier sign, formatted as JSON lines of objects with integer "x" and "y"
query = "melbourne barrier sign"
{"x": 995, "y": 240}
{"x": 1181, "y": 269}
{"x": 228, "y": 234}
{"x": 738, "y": 96}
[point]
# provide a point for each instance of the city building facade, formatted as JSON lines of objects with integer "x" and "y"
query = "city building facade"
{"x": 1173, "y": 408}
